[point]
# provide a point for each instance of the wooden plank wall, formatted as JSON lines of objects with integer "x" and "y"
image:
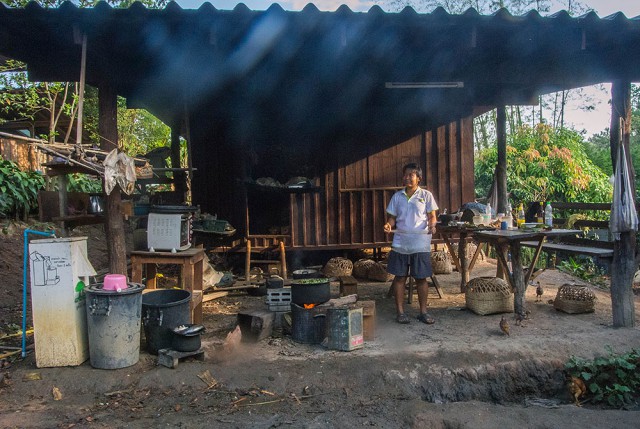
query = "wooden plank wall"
{"x": 350, "y": 211}
{"x": 25, "y": 155}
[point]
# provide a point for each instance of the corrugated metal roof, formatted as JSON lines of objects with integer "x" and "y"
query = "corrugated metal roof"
{"x": 281, "y": 68}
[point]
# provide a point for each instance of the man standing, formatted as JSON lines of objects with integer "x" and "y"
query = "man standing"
{"x": 412, "y": 211}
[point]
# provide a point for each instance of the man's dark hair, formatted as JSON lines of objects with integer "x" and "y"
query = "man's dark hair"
{"x": 413, "y": 166}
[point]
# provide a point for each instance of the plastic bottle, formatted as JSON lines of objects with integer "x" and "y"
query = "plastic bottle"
{"x": 548, "y": 215}
{"x": 509, "y": 216}
{"x": 520, "y": 218}
{"x": 487, "y": 214}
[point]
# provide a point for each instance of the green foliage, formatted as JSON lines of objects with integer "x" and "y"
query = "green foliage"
{"x": 583, "y": 268}
{"x": 613, "y": 379}
{"x": 598, "y": 147}
{"x": 139, "y": 131}
{"x": 544, "y": 164}
{"x": 18, "y": 189}
{"x": 82, "y": 183}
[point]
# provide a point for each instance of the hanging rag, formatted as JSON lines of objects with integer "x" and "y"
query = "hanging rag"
{"x": 119, "y": 169}
{"x": 624, "y": 217}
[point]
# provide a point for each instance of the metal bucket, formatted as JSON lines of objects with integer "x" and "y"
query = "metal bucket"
{"x": 113, "y": 322}
{"x": 163, "y": 310}
{"x": 307, "y": 325}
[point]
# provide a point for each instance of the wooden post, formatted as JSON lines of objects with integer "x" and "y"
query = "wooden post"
{"x": 622, "y": 299}
{"x": 501, "y": 170}
{"x": 178, "y": 176}
{"x": 114, "y": 225}
{"x": 283, "y": 260}
{"x": 501, "y": 167}
{"x": 247, "y": 262}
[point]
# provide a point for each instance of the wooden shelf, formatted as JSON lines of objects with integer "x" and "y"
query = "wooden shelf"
{"x": 77, "y": 220}
{"x": 60, "y": 168}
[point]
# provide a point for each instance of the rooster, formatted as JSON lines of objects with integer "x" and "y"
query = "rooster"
{"x": 504, "y": 326}
{"x": 539, "y": 292}
{"x": 577, "y": 388}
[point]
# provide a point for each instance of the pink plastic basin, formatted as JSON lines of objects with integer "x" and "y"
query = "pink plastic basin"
{"x": 114, "y": 282}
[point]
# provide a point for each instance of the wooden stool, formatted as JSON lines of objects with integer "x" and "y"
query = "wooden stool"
{"x": 436, "y": 286}
{"x": 191, "y": 266}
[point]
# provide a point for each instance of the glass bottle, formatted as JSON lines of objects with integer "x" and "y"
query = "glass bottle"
{"x": 520, "y": 216}
{"x": 540, "y": 214}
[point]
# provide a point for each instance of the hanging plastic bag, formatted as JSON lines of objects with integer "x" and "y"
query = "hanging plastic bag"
{"x": 624, "y": 216}
{"x": 119, "y": 169}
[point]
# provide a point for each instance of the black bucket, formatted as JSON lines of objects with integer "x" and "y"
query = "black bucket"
{"x": 307, "y": 324}
{"x": 163, "y": 310}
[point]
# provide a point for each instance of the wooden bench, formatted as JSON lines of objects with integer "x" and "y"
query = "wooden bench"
{"x": 600, "y": 250}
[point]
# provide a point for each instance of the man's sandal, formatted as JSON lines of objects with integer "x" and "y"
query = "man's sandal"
{"x": 402, "y": 318}
{"x": 425, "y": 318}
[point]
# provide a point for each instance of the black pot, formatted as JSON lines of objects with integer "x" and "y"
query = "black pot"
{"x": 310, "y": 291}
{"x": 186, "y": 338}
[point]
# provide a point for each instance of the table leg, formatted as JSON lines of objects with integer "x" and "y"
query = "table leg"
{"x": 519, "y": 284}
{"x": 475, "y": 256}
{"x": 464, "y": 263}
{"x": 533, "y": 261}
{"x": 503, "y": 264}
{"x": 454, "y": 255}
{"x": 197, "y": 286}
{"x": 151, "y": 275}
{"x": 136, "y": 271}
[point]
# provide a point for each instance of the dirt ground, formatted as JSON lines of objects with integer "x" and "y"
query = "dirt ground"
{"x": 461, "y": 372}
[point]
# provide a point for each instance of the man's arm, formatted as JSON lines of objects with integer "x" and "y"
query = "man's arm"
{"x": 391, "y": 222}
{"x": 431, "y": 222}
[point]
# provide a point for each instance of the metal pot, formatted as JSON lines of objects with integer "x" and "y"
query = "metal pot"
{"x": 96, "y": 204}
{"x": 186, "y": 338}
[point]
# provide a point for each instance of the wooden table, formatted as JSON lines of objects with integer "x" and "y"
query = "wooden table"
{"x": 511, "y": 240}
{"x": 191, "y": 263}
{"x": 460, "y": 260}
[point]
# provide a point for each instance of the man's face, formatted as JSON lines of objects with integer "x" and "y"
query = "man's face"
{"x": 410, "y": 179}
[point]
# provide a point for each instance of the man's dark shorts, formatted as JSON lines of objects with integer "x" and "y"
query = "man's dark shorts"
{"x": 420, "y": 264}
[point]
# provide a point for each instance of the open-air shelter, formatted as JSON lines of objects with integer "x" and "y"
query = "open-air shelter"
{"x": 344, "y": 98}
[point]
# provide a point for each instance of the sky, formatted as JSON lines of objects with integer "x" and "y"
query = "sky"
{"x": 588, "y": 122}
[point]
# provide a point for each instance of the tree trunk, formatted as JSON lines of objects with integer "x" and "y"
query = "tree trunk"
{"x": 623, "y": 264}
{"x": 501, "y": 168}
{"x": 114, "y": 226}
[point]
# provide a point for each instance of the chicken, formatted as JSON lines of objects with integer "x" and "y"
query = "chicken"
{"x": 504, "y": 326}
{"x": 577, "y": 388}
{"x": 539, "y": 292}
{"x": 522, "y": 316}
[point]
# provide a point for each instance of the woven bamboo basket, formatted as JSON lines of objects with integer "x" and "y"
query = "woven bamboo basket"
{"x": 337, "y": 267}
{"x": 489, "y": 295}
{"x": 575, "y": 299}
{"x": 471, "y": 249}
{"x": 378, "y": 272}
{"x": 361, "y": 268}
{"x": 441, "y": 262}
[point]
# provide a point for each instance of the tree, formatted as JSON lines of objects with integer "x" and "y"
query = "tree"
{"x": 598, "y": 146}
{"x": 545, "y": 164}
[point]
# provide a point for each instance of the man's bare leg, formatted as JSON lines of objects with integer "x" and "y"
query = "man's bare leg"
{"x": 398, "y": 287}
